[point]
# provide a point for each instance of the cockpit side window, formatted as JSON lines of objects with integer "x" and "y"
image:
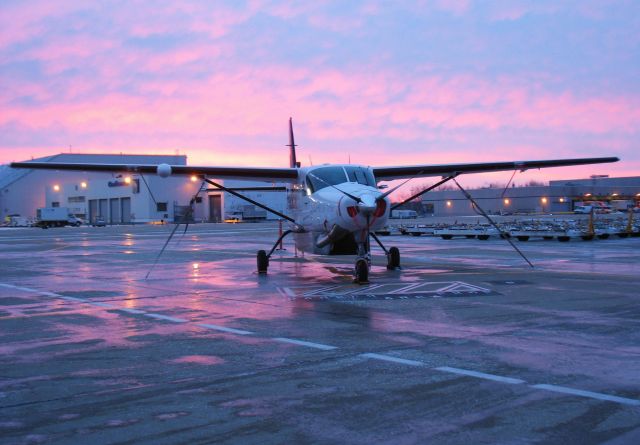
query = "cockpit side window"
{"x": 322, "y": 177}
{"x": 360, "y": 175}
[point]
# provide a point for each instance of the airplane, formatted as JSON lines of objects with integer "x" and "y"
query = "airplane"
{"x": 333, "y": 209}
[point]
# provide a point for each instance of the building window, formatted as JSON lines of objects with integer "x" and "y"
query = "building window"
{"x": 76, "y": 199}
{"x": 55, "y": 204}
{"x": 161, "y": 206}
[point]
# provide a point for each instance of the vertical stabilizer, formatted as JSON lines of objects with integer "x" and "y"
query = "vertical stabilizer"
{"x": 292, "y": 147}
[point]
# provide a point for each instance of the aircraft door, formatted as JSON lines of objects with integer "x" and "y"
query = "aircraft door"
{"x": 215, "y": 208}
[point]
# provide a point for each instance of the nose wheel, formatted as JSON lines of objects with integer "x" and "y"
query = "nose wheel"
{"x": 361, "y": 271}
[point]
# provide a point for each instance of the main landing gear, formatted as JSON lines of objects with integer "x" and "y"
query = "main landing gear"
{"x": 263, "y": 256}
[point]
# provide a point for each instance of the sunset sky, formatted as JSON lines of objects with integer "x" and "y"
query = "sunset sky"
{"x": 381, "y": 83}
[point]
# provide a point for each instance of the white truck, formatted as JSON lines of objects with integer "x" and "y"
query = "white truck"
{"x": 56, "y": 217}
{"x": 403, "y": 214}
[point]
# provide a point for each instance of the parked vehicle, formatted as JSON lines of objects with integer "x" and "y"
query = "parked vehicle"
{"x": 404, "y": 214}
{"x": 56, "y": 217}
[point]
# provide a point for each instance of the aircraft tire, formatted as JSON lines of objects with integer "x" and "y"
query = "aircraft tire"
{"x": 263, "y": 261}
{"x": 393, "y": 260}
{"x": 362, "y": 272}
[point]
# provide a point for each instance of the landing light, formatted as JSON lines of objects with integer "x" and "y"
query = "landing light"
{"x": 56, "y": 188}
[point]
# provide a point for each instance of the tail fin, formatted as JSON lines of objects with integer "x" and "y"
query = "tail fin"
{"x": 292, "y": 147}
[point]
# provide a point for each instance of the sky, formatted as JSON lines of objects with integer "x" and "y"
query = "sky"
{"x": 373, "y": 82}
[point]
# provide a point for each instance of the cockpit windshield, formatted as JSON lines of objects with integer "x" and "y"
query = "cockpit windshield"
{"x": 360, "y": 175}
{"x": 322, "y": 177}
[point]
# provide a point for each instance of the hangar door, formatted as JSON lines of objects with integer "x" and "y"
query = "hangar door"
{"x": 114, "y": 214}
{"x": 215, "y": 208}
{"x": 125, "y": 205}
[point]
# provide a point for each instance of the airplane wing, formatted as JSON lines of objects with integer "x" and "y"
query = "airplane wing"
{"x": 248, "y": 173}
{"x": 417, "y": 171}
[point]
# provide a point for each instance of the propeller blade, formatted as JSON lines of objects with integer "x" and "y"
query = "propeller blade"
{"x": 388, "y": 192}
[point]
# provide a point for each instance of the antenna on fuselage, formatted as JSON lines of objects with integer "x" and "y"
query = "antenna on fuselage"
{"x": 292, "y": 147}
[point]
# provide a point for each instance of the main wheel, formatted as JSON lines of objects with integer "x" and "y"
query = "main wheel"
{"x": 362, "y": 272}
{"x": 393, "y": 259}
{"x": 263, "y": 261}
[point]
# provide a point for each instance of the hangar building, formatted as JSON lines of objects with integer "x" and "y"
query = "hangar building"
{"x": 558, "y": 196}
{"x": 127, "y": 198}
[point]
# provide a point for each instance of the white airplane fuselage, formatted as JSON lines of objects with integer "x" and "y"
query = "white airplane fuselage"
{"x": 332, "y": 221}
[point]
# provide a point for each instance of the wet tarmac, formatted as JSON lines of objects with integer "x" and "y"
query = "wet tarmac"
{"x": 466, "y": 344}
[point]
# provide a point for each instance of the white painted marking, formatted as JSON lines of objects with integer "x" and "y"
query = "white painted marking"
{"x": 480, "y": 375}
{"x": 289, "y": 292}
{"x": 389, "y": 358}
{"x": 28, "y": 289}
{"x": 166, "y": 317}
{"x": 321, "y": 290}
{"x": 79, "y": 300}
{"x": 224, "y": 329}
{"x": 131, "y": 311}
{"x": 97, "y": 303}
{"x": 589, "y": 394}
{"x": 305, "y": 343}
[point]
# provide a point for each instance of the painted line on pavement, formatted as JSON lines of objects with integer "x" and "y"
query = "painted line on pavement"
{"x": 166, "y": 317}
{"x": 389, "y": 358}
{"x": 382, "y": 357}
{"x": 305, "y": 343}
{"x": 215, "y": 327}
{"x": 480, "y": 375}
{"x": 589, "y": 394}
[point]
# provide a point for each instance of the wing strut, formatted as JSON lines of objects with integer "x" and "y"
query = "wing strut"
{"x": 483, "y": 213}
{"x": 249, "y": 200}
{"x": 173, "y": 232}
{"x": 437, "y": 184}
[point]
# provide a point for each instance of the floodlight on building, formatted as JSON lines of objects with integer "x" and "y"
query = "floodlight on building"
{"x": 194, "y": 178}
{"x": 544, "y": 200}
{"x": 127, "y": 180}
{"x": 587, "y": 194}
{"x": 561, "y": 200}
{"x": 83, "y": 185}
{"x": 56, "y": 188}
{"x": 449, "y": 203}
{"x": 507, "y": 201}
{"x": 614, "y": 194}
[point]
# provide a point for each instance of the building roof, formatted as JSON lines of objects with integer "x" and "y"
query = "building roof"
{"x": 10, "y": 175}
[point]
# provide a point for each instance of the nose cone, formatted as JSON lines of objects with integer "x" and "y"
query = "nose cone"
{"x": 368, "y": 204}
